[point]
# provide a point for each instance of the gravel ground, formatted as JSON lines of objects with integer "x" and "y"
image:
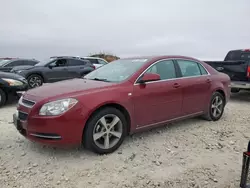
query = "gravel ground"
{"x": 191, "y": 153}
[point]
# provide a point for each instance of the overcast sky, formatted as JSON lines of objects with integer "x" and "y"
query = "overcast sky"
{"x": 204, "y": 29}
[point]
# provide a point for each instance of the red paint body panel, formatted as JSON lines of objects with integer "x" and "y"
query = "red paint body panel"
{"x": 149, "y": 104}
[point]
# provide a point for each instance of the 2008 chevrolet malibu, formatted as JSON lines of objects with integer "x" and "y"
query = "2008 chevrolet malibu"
{"x": 120, "y": 98}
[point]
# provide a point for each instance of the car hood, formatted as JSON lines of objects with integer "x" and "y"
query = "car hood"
{"x": 11, "y": 76}
{"x": 67, "y": 88}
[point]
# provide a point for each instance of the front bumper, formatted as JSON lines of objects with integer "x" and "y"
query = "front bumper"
{"x": 65, "y": 130}
{"x": 14, "y": 89}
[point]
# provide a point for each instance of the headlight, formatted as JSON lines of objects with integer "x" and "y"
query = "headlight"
{"x": 12, "y": 82}
{"x": 57, "y": 107}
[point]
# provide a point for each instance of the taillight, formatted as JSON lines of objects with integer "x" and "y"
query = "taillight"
{"x": 248, "y": 71}
{"x": 93, "y": 66}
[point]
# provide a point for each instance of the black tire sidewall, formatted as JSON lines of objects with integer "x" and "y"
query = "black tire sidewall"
{"x": 215, "y": 94}
{"x": 3, "y": 97}
{"x": 88, "y": 135}
{"x": 34, "y": 75}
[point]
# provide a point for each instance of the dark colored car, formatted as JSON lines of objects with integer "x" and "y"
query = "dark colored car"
{"x": 10, "y": 84}
{"x": 237, "y": 66}
{"x": 6, "y": 64}
{"x": 96, "y": 61}
{"x": 55, "y": 69}
{"x": 120, "y": 98}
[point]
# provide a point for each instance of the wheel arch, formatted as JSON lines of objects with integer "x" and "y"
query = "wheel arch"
{"x": 36, "y": 73}
{"x": 219, "y": 90}
{"x": 114, "y": 105}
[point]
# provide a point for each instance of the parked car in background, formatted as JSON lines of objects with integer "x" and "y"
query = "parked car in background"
{"x": 237, "y": 66}
{"x": 125, "y": 96}
{"x": 10, "y": 84}
{"x": 6, "y": 64}
{"x": 56, "y": 69}
{"x": 96, "y": 61}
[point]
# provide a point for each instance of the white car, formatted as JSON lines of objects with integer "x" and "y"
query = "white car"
{"x": 96, "y": 61}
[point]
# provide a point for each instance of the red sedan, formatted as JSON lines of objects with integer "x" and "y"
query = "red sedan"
{"x": 120, "y": 98}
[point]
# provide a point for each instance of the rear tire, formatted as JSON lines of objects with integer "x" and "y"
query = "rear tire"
{"x": 216, "y": 107}
{"x": 35, "y": 80}
{"x": 3, "y": 97}
{"x": 105, "y": 131}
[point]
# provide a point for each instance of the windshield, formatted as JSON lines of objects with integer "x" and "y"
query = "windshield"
{"x": 45, "y": 62}
{"x": 3, "y": 62}
{"x": 116, "y": 71}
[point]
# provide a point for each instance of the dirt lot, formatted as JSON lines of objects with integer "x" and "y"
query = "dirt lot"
{"x": 192, "y": 153}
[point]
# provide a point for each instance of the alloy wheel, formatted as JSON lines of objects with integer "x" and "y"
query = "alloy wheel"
{"x": 107, "y": 131}
{"x": 35, "y": 81}
{"x": 217, "y": 106}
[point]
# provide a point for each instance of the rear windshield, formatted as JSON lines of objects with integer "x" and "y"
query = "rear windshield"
{"x": 245, "y": 56}
{"x": 237, "y": 55}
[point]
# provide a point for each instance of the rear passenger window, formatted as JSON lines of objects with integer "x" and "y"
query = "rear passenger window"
{"x": 203, "y": 70}
{"x": 189, "y": 68}
{"x": 74, "y": 62}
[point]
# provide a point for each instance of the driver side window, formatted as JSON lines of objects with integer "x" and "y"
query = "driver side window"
{"x": 165, "y": 69}
{"x": 59, "y": 63}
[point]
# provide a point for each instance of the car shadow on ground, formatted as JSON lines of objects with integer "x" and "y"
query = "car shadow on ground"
{"x": 134, "y": 140}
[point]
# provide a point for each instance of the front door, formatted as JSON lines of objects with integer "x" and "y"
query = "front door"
{"x": 196, "y": 85}
{"x": 158, "y": 101}
{"x": 57, "y": 71}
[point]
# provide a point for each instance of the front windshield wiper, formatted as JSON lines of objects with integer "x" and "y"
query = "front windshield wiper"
{"x": 99, "y": 79}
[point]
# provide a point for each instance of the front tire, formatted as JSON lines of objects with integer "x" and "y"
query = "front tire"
{"x": 105, "y": 131}
{"x": 3, "y": 97}
{"x": 35, "y": 80}
{"x": 216, "y": 107}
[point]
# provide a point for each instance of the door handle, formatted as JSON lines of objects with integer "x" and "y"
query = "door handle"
{"x": 176, "y": 85}
{"x": 208, "y": 80}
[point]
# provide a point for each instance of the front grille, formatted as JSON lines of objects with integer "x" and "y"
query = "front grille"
{"x": 22, "y": 116}
{"x": 27, "y": 103}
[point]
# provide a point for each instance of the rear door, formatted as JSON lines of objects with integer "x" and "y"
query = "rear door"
{"x": 75, "y": 68}
{"x": 158, "y": 101}
{"x": 195, "y": 84}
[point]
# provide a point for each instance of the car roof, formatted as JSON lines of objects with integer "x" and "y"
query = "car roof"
{"x": 14, "y": 59}
{"x": 159, "y": 57}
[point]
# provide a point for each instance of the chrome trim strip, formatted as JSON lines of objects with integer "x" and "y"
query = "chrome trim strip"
{"x": 171, "y": 59}
{"x": 43, "y": 136}
{"x": 162, "y": 122}
{"x": 28, "y": 106}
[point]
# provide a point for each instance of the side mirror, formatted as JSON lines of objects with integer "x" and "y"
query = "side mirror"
{"x": 50, "y": 66}
{"x": 148, "y": 77}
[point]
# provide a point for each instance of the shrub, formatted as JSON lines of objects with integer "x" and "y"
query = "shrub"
{"x": 107, "y": 56}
